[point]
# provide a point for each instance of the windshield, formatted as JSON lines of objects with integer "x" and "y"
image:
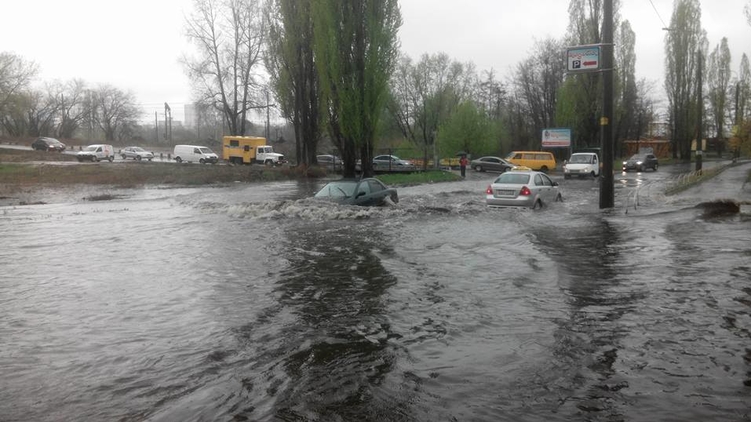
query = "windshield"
{"x": 138, "y": 149}
{"x": 581, "y": 159}
{"x": 637, "y": 157}
{"x": 206, "y": 151}
{"x": 513, "y": 178}
{"x": 337, "y": 189}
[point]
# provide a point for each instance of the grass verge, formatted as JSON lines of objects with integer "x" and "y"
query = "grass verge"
{"x": 694, "y": 178}
{"x": 418, "y": 178}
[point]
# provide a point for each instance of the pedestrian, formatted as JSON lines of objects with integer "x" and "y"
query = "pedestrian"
{"x": 463, "y": 164}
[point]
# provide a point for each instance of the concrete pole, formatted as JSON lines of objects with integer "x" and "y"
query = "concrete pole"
{"x": 700, "y": 112}
{"x": 607, "y": 188}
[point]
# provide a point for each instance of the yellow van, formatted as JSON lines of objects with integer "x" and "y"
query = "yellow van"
{"x": 536, "y": 160}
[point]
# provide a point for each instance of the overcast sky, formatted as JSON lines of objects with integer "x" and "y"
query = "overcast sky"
{"x": 136, "y": 44}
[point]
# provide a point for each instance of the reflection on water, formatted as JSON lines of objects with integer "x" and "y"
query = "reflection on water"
{"x": 219, "y": 304}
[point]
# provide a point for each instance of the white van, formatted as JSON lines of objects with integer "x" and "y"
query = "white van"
{"x": 195, "y": 153}
{"x": 96, "y": 152}
{"x": 581, "y": 164}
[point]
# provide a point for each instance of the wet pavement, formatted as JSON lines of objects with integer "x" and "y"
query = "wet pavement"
{"x": 258, "y": 303}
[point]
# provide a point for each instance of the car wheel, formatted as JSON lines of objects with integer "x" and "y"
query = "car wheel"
{"x": 594, "y": 175}
{"x": 654, "y": 167}
{"x": 202, "y": 161}
{"x": 179, "y": 160}
{"x": 537, "y": 205}
{"x": 123, "y": 156}
{"x": 138, "y": 158}
{"x": 478, "y": 168}
{"x": 94, "y": 159}
{"x": 544, "y": 169}
{"x": 268, "y": 163}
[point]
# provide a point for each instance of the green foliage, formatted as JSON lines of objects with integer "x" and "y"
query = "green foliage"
{"x": 356, "y": 46}
{"x": 469, "y": 130}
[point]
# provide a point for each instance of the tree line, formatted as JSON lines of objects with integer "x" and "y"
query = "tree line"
{"x": 336, "y": 74}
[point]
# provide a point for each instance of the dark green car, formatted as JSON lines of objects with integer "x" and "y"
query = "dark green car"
{"x": 365, "y": 192}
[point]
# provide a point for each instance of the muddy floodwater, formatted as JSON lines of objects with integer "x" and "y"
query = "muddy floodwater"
{"x": 254, "y": 302}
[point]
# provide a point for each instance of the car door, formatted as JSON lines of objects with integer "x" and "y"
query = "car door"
{"x": 549, "y": 189}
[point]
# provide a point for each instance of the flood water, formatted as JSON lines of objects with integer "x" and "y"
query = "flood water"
{"x": 252, "y": 302}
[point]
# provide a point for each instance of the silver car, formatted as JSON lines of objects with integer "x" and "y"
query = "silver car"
{"x": 383, "y": 163}
{"x": 521, "y": 187}
{"x": 136, "y": 153}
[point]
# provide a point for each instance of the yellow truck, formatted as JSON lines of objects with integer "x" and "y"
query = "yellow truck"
{"x": 249, "y": 150}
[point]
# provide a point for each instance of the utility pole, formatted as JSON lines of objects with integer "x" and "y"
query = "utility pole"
{"x": 700, "y": 111}
{"x": 607, "y": 189}
{"x": 167, "y": 123}
{"x": 156, "y": 125}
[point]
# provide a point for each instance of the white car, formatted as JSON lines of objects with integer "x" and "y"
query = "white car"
{"x": 136, "y": 153}
{"x": 582, "y": 164}
{"x": 522, "y": 187}
{"x": 96, "y": 152}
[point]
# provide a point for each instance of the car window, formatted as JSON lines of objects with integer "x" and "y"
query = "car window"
{"x": 538, "y": 180}
{"x": 494, "y": 160}
{"x": 204, "y": 150}
{"x": 375, "y": 186}
{"x": 528, "y": 156}
{"x": 363, "y": 188}
{"x": 546, "y": 180}
{"x": 99, "y": 149}
{"x": 513, "y": 178}
{"x": 542, "y": 157}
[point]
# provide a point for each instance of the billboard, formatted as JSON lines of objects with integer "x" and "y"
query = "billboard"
{"x": 556, "y": 138}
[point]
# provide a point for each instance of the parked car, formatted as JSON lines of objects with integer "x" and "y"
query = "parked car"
{"x": 522, "y": 187}
{"x": 490, "y": 164}
{"x": 191, "y": 153}
{"x": 330, "y": 162}
{"x": 382, "y": 163}
{"x": 641, "y": 162}
{"x": 536, "y": 160}
{"x": 367, "y": 192}
{"x": 582, "y": 164}
{"x": 96, "y": 152}
{"x": 48, "y": 144}
{"x": 136, "y": 153}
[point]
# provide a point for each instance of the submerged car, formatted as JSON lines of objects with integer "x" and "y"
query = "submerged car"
{"x": 136, "y": 153}
{"x": 367, "y": 192}
{"x": 581, "y": 164}
{"x": 491, "y": 164}
{"x": 522, "y": 187}
{"x": 48, "y": 144}
{"x": 641, "y": 162}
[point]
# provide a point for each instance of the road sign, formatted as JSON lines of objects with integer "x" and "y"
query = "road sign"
{"x": 585, "y": 58}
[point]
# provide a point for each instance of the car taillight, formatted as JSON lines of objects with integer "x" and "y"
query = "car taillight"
{"x": 525, "y": 191}
{"x": 489, "y": 190}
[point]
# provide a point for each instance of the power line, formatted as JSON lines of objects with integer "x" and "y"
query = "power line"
{"x": 658, "y": 14}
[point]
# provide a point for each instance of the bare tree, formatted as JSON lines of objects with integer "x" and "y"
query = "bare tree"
{"x": 229, "y": 37}
{"x": 536, "y": 83}
{"x": 114, "y": 111}
{"x": 70, "y": 105}
{"x": 15, "y": 76}
{"x": 424, "y": 95}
